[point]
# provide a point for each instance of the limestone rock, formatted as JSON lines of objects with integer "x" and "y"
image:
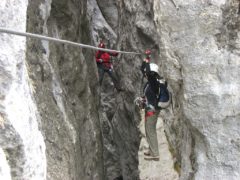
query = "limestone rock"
{"x": 55, "y": 121}
{"x": 22, "y": 147}
{"x": 109, "y": 11}
{"x": 200, "y": 57}
{"x": 66, "y": 97}
{"x": 49, "y": 119}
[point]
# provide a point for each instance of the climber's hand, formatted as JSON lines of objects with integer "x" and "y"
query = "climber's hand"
{"x": 146, "y": 60}
{"x": 140, "y": 102}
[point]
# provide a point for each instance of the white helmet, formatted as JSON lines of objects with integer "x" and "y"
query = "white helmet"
{"x": 154, "y": 68}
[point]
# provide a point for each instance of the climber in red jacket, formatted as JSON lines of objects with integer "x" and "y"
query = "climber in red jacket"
{"x": 105, "y": 65}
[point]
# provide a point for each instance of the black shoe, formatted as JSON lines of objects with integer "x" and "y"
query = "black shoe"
{"x": 149, "y": 158}
{"x": 147, "y": 153}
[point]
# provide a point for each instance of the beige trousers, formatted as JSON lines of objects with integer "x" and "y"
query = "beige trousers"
{"x": 151, "y": 133}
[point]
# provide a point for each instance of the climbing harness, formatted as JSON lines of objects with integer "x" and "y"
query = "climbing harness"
{"x": 37, "y": 36}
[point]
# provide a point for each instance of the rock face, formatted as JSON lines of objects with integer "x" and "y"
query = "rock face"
{"x": 66, "y": 90}
{"x": 22, "y": 149}
{"x": 135, "y": 32}
{"x": 55, "y": 121}
{"x": 200, "y": 57}
{"x": 56, "y": 108}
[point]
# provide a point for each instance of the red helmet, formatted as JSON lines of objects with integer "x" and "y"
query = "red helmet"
{"x": 101, "y": 45}
{"x": 148, "y": 52}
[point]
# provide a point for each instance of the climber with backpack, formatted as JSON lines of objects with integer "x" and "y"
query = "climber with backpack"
{"x": 156, "y": 97}
{"x": 104, "y": 64}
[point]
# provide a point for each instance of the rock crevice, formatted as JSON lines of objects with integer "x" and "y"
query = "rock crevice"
{"x": 73, "y": 129}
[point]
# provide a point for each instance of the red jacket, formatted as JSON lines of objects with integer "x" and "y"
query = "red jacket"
{"x": 106, "y": 58}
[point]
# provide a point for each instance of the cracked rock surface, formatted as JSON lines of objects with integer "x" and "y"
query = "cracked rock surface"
{"x": 200, "y": 57}
{"x": 57, "y": 123}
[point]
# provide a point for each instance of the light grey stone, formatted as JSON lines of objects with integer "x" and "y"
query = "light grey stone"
{"x": 21, "y": 142}
{"x": 201, "y": 38}
{"x": 72, "y": 129}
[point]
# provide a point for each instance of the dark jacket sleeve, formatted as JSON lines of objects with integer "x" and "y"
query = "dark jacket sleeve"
{"x": 145, "y": 68}
{"x": 151, "y": 96}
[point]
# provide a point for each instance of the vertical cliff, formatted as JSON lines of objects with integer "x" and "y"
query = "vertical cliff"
{"x": 22, "y": 148}
{"x": 57, "y": 123}
{"x": 130, "y": 27}
{"x": 66, "y": 90}
{"x": 200, "y": 57}
{"x": 49, "y": 94}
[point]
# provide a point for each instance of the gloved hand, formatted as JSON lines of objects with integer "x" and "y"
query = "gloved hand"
{"x": 140, "y": 102}
{"x": 147, "y": 60}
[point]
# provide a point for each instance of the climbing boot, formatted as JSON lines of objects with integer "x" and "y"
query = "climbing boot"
{"x": 149, "y": 158}
{"x": 147, "y": 153}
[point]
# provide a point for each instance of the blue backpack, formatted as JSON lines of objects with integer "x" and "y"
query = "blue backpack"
{"x": 164, "y": 98}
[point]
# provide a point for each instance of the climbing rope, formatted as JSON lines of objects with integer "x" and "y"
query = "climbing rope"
{"x": 37, "y": 36}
